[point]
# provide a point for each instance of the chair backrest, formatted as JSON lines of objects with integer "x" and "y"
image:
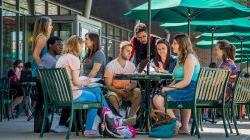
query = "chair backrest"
{"x": 4, "y": 84}
{"x": 56, "y": 85}
{"x": 241, "y": 92}
{"x": 211, "y": 85}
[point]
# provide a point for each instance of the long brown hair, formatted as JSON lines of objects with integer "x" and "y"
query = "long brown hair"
{"x": 158, "y": 57}
{"x": 41, "y": 27}
{"x": 185, "y": 47}
{"x": 228, "y": 49}
{"x": 71, "y": 45}
{"x": 94, "y": 37}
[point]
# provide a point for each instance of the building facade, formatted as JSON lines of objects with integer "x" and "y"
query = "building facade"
{"x": 16, "y": 29}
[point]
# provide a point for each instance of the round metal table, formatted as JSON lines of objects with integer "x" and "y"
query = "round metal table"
{"x": 146, "y": 98}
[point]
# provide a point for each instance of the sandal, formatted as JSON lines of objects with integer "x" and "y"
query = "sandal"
{"x": 182, "y": 132}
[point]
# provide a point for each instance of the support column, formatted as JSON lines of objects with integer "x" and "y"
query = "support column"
{"x": 87, "y": 8}
{"x": 1, "y": 40}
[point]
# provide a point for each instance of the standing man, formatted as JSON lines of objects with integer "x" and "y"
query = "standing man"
{"x": 139, "y": 44}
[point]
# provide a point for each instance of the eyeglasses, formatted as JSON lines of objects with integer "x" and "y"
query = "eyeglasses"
{"x": 19, "y": 67}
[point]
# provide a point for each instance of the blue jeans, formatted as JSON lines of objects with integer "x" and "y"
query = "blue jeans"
{"x": 91, "y": 95}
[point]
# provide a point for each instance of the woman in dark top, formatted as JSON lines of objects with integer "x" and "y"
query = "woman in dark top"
{"x": 163, "y": 61}
{"x": 14, "y": 76}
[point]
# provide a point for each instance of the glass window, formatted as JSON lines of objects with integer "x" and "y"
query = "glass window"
{"x": 117, "y": 33}
{"x": 110, "y": 30}
{"x": 52, "y": 9}
{"x": 104, "y": 29}
{"x": 62, "y": 30}
{"x": 64, "y": 11}
{"x": 110, "y": 46}
{"x": 9, "y": 40}
{"x": 9, "y": 4}
{"x": 39, "y": 7}
{"x": 124, "y": 35}
{"x": 21, "y": 55}
{"x": 24, "y": 8}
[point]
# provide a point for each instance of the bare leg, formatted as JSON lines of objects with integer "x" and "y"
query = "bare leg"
{"x": 114, "y": 103}
{"x": 159, "y": 104}
{"x": 185, "y": 117}
{"x": 16, "y": 102}
{"x": 136, "y": 103}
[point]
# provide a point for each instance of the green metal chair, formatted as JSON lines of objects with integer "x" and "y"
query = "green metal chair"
{"x": 57, "y": 92}
{"x": 210, "y": 87}
{"x": 6, "y": 96}
{"x": 241, "y": 95}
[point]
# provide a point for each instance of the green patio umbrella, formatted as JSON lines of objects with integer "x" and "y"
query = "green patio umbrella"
{"x": 232, "y": 37}
{"x": 189, "y": 10}
{"x": 240, "y": 45}
{"x": 238, "y": 24}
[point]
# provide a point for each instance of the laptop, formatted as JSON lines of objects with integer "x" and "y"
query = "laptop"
{"x": 26, "y": 76}
{"x": 142, "y": 65}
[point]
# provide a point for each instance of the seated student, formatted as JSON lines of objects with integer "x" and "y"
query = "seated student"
{"x": 27, "y": 66}
{"x": 186, "y": 74}
{"x": 55, "y": 47}
{"x": 70, "y": 60}
{"x": 163, "y": 61}
{"x": 225, "y": 52}
{"x": 94, "y": 62}
{"x": 122, "y": 90}
{"x": 14, "y": 77}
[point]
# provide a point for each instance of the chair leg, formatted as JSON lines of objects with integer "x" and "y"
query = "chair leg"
{"x": 192, "y": 127}
{"x": 75, "y": 124}
{"x": 70, "y": 123}
{"x": 229, "y": 124}
{"x": 196, "y": 122}
{"x": 52, "y": 117}
{"x": 81, "y": 121}
{"x": 200, "y": 119}
{"x": 224, "y": 121}
{"x": 235, "y": 122}
{"x": 45, "y": 114}
{"x": 2, "y": 109}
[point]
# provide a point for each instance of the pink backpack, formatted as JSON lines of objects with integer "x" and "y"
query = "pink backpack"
{"x": 114, "y": 127}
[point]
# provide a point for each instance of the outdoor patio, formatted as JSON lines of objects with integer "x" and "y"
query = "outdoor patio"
{"x": 20, "y": 129}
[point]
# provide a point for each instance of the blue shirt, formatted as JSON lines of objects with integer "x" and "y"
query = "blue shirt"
{"x": 179, "y": 72}
{"x": 48, "y": 61}
{"x": 34, "y": 66}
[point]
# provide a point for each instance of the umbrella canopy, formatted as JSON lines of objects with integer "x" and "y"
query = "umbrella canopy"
{"x": 180, "y": 10}
{"x": 189, "y": 10}
{"x": 207, "y": 44}
{"x": 222, "y": 26}
{"x": 232, "y": 36}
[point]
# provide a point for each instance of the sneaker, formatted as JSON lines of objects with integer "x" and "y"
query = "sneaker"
{"x": 91, "y": 133}
{"x": 60, "y": 129}
{"x": 30, "y": 118}
{"x": 130, "y": 121}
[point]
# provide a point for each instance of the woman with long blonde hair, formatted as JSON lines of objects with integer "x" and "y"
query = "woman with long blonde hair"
{"x": 71, "y": 62}
{"x": 41, "y": 33}
{"x": 186, "y": 74}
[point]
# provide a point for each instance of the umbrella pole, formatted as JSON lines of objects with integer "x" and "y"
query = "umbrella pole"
{"x": 241, "y": 52}
{"x": 189, "y": 25}
{"x": 149, "y": 32}
{"x": 212, "y": 44}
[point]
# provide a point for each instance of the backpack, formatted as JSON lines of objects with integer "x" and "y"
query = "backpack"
{"x": 164, "y": 126}
{"x": 114, "y": 127}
